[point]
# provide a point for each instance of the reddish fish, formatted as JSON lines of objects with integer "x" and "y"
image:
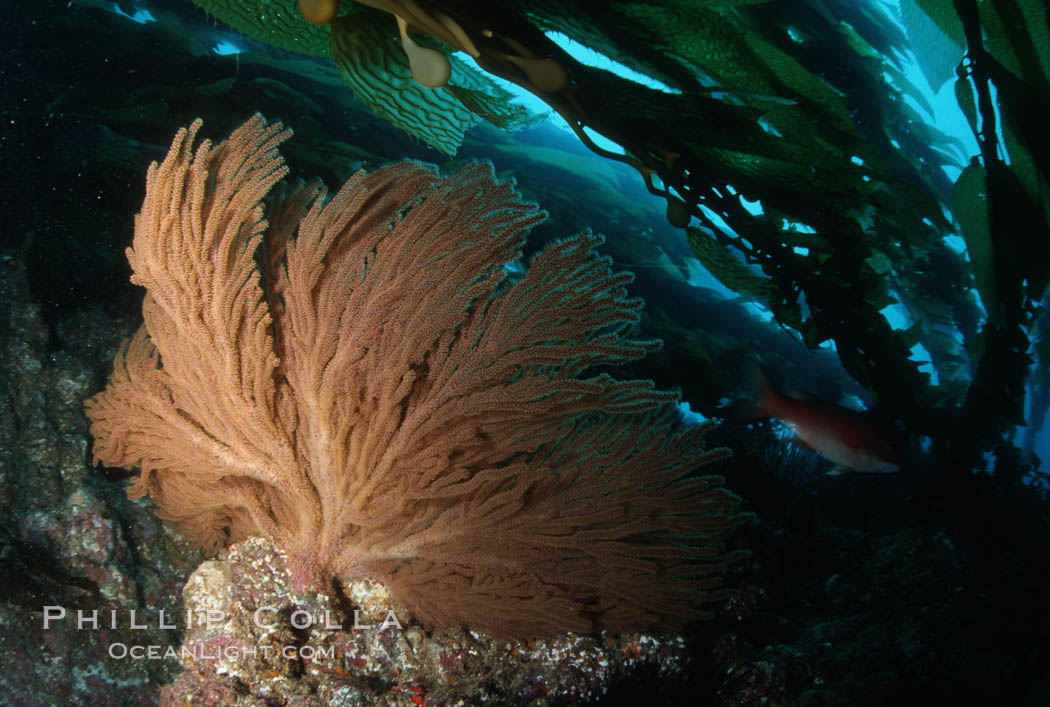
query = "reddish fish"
{"x": 834, "y": 432}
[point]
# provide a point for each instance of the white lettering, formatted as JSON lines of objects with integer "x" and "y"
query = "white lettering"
{"x": 137, "y": 627}
{"x": 214, "y": 617}
{"x": 81, "y": 620}
{"x": 309, "y": 620}
{"x": 55, "y": 613}
{"x": 390, "y": 620}
{"x": 357, "y": 621}
{"x": 163, "y": 626}
{"x": 257, "y": 616}
{"x": 328, "y": 621}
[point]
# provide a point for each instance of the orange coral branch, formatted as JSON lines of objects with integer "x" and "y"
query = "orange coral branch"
{"x": 378, "y": 394}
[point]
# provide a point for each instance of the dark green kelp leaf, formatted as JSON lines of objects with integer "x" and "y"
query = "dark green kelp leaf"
{"x": 377, "y": 70}
{"x": 970, "y": 205}
{"x": 907, "y": 88}
{"x": 1017, "y": 37}
{"x": 486, "y": 100}
{"x": 936, "y": 36}
{"x": 727, "y": 269}
{"x": 362, "y": 42}
{"x": 278, "y": 23}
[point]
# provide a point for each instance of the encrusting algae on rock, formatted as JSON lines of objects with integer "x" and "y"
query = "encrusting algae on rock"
{"x": 254, "y": 638}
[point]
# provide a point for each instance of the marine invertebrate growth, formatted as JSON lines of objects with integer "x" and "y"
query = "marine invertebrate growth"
{"x": 363, "y": 381}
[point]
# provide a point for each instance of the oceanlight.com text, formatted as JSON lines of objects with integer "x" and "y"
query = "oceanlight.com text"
{"x": 230, "y": 652}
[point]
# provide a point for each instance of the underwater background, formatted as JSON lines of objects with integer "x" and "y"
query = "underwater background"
{"x": 852, "y": 196}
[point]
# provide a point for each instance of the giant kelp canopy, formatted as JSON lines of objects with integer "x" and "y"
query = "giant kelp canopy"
{"x": 800, "y": 106}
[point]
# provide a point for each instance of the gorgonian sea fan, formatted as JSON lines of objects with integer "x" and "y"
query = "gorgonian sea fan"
{"x": 363, "y": 380}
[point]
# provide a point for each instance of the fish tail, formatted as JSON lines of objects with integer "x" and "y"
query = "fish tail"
{"x": 756, "y": 394}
